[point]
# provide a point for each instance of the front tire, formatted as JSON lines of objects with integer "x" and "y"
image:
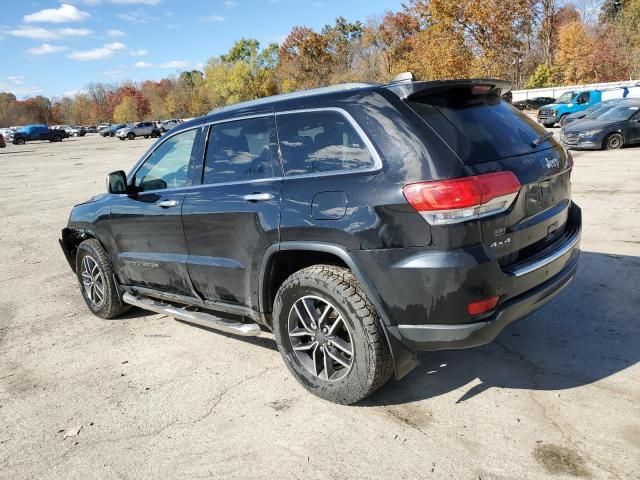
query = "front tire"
{"x": 614, "y": 141}
{"x": 131, "y": 136}
{"x": 97, "y": 281}
{"x": 330, "y": 335}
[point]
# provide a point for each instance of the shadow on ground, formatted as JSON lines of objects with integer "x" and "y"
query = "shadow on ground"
{"x": 589, "y": 332}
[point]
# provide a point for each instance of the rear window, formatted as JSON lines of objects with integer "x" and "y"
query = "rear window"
{"x": 478, "y": 128}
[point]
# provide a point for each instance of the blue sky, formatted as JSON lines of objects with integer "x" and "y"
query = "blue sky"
{"x": 55, "y": 48}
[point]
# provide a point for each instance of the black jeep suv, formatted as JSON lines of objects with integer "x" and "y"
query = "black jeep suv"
{"x": 360, "y": 223}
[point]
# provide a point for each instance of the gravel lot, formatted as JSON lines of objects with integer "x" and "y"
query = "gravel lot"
{"x": 557, "y": 395}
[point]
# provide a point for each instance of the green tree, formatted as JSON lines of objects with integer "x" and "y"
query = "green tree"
{"x": 243, "y": 73}
{"x": 542, "y": 77}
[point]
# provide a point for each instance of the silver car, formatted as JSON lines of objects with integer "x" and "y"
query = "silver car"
{"x": 138, "y": 129}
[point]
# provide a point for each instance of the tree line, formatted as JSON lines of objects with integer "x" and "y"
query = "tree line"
{"x": 532, "y": 43}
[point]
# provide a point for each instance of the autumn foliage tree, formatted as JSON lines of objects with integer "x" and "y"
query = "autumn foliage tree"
{"x": 532, "y": 43}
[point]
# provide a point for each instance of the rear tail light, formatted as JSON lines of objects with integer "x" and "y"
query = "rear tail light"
{"x": 461, "y": 199}
{"x": 482, "y": 306}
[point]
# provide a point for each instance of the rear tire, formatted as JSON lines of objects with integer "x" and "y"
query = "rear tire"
{"x": 20, "y": 141}
{"x": 326, "y": 369}
{"x": 57, "y": 138}
{"x": 613, "y": 141}
{"x": 548, "y": 125}
{"x": 97, "y": 281}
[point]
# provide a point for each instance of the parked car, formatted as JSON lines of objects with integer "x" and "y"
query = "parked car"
{"x": 7, "y": 134}
{"x": 38, "y": 132}
{"x": 358, "y": 235}
{"x": 167, "y": 125}
{"x": 103, "y": 126}
{"x": 111, "y": 130}
{"x": 592, "y": 112}
{"x": 573, "y": 102}
{"x": 613, "y": 129}
{"x": 73, "y": 130}
{"x": 91, "y": 129}
{"x": 138, "y": 129}
{"x": 533, "y": 103}
{"x": 3, "y": 143}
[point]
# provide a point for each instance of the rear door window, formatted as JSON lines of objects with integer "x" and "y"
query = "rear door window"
{"x": 320, "y": 141}
{"x": 241, "y": 150}
{"x": 478, "y": 128}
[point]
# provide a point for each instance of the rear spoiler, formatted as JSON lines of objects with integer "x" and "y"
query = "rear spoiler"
{"x": 407, "y": 89}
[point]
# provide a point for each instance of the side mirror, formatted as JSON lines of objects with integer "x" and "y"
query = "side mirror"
{"x": 117, "y": 182}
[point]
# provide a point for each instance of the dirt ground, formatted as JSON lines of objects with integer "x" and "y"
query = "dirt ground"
{"x": 557, "y": 395}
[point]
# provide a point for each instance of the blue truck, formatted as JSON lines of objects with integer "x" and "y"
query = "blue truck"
{"x": 38, "y": 132}
{"x": 575, "y": 101}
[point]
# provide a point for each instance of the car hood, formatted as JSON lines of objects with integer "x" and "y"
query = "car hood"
{"x": 93, "y": 199}
{"x": 591, "y": 124}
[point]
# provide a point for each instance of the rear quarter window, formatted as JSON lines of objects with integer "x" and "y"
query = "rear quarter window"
{"x": 477, "y": 128}
{"x": 320, "y": 141}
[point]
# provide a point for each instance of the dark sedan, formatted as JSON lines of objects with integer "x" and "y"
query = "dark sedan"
{"x": 614, "y": 128}
{"x": 533, "y": 103}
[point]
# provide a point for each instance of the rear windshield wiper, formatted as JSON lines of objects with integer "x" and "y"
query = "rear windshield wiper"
{"x": 541, "y": 138}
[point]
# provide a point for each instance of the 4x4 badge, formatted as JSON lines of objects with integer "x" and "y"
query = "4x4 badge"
{"x": 500, "y": 243}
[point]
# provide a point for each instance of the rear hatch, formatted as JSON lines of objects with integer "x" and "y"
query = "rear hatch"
{"x": 489, "y": 135}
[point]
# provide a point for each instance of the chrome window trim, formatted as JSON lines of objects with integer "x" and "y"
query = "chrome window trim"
{"x": 377, "y": 161}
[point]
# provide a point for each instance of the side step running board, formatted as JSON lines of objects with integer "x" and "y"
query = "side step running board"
{"x": 198, "y": 318}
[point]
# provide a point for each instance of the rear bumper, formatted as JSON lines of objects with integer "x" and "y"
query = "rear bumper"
{"x": 444, "y": 337}
{"x": 425, "y": 294}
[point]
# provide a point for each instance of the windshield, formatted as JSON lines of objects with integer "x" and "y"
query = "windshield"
{"x": 565, "y": 97}
{"x": 619, "y": 113}
{"x": 597, "y": 112}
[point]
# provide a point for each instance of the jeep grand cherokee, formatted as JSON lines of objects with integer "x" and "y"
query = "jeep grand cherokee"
{"x": 360, "y": 223}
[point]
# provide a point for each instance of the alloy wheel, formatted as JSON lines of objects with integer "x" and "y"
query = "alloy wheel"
{"x": 320, "y": 338}
{"x": 92, "y": 281}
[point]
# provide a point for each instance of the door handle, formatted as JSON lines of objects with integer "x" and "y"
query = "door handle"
{"x": 167, "y": 203}
{"x": 258, "y": 197}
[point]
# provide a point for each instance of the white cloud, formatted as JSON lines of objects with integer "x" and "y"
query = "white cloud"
{"x": 36, "y": 33}
{"x": 318, "y": 4}
{"x": 141, "y": 52}
{"x": 46, "y": 49}
{"x": 20, "y": 90}
{"x": 135, "y": 2}
{"x": 106, "y": 51}
{"x": 65, "y": 14}
{"x": 116, "y": 2}
{"x": 115, "y": 33}
{"x": 212, "y": 18}
{"x": 74, "y": 32}
{"x": 39, "y": 33}
{"x": 172, "y": 26}
{"x": 137, "y": 16}
{"x": 17, "y": 79}
{"x": 231, "y": 3}
{"x": 174, "y": 64}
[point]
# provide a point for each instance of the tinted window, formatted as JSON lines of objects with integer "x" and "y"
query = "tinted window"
{"x": 478, "y": 128}
{"x": 239, "y": 151}
{"x": 168, "y": 165}
{"x": 324, "y": 141}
